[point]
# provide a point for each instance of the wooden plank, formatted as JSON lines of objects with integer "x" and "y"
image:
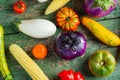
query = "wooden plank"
{"x": 53, "y": 64}
{"x": 35, "y": 10}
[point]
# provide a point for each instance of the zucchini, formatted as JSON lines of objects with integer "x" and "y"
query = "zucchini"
{"x": 103, "y": 34}
{"x": 3, "y": 64}
{"x": 27, "y": 63}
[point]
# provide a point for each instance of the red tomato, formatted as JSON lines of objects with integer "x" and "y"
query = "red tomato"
{"x": 19, "y": 7}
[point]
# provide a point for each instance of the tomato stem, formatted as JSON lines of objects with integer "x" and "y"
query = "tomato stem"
{"x": 19, "y": 5}
{"x": 67, "y": 18}
{"x": 102, "y": 63}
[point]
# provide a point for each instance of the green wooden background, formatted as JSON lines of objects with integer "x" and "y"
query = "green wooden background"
{"x": 53, "y": 64}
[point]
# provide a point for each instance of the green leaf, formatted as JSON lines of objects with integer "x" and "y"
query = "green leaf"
{"x": 104, "y": 4}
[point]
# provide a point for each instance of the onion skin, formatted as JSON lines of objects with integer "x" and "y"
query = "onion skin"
{"x": 97, "y": 11}
{"x": 66, "y": 51}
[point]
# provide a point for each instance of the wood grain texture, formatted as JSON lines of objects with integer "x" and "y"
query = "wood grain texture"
{"x": 53, "y": 64}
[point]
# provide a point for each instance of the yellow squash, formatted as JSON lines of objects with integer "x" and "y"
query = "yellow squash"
{"x": 103, "y": 34}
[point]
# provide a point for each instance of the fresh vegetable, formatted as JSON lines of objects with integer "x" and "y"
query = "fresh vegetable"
{"x": 67, "y": 19}
{"x": 55, "y": 5}
{"x": 37, "y": 28}
{"x": 102, "y": 63}
{"x": 39, "y": 51}
{"x": 70, "y": 75}
{"x": 3, "y": 64}
{"x": 19, "y": 7}
{"x": 99, "y": 8}
{"x": 27, "y": 63}
{"x": 70, "y": 45}
{"x": 103, "y": 34}
{"x": 41, "y": 1}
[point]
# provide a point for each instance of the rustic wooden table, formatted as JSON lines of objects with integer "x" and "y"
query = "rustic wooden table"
{"x": 53, "y": 64}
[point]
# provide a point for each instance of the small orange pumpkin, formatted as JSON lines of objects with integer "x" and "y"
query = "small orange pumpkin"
{"x": 67, "y": 19}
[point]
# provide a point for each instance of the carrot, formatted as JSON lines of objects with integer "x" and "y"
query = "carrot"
{"x": 102, "y": 33}
{"x": 39, "y": 51}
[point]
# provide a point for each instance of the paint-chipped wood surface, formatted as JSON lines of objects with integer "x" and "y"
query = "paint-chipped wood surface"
{"x": 53, "y": 64}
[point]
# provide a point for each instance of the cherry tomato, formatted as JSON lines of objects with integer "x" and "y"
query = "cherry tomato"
{"x": 19, "y": 7}
{"x": 39, "y": 51}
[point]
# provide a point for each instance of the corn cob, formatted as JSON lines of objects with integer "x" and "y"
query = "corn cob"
{"x": 55, "y": 5}
{"x": 27, "y": 63}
